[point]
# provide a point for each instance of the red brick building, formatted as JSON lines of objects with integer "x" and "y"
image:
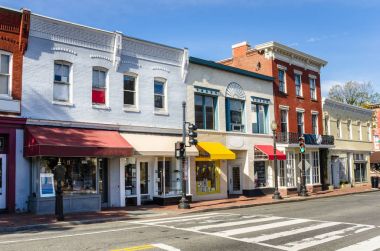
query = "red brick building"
{"x": 297, "y": 102}
{"x": 14, "y": 32}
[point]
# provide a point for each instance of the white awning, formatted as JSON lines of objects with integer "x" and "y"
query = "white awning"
{"x": 156, "y": 145}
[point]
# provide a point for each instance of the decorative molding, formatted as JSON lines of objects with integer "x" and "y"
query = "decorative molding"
{"x": 66, "y": 50}
{"x": 117, "y": 49}
{"x": 281, "y": 67}
{"x": 160, "y": 68}
{"x": 300, "y": 109}
{"x": 314, "y": 112}
{"x": 259, "y": 100}
{"x": 131, "y": 63}
{"x": 298, "y": 72}
{"x": 235, "y": 91}
{"x": 312, "y": 76}
{"x": 101, "y": 57}
{"x": 205, "y": 90}
{"x": 283, "y": 107}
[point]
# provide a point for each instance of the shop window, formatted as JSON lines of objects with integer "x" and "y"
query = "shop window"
{"x": 5, "y": 74}
{"x": 80, "y": 173}
{"x": 298, "y": 82}
{"x": 281, "y": 81}
{"x": 260, "y": 118}
{"x": 235, "y": 113}
{"x": 287, "y": 170}
{"x": 99, "y": 87}
{"x": 260, "y": 179}
{"x": 61, "y": 88}
{"x": 130, "y": 91}
{"x": 313, "y": 88}
{"x": 300, "y": 123}
{"x": 159, "y": 94}
{"x": 207, "y": 177}
{"x": 312, "y": 168}
{"x": 130, "y": 177}
{"x": 205, "y": 111}
{"x": 169, "y": 182}
{"x": 360, "y": 172}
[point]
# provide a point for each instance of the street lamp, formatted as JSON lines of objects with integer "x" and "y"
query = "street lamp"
{"x": 276, "y": 195}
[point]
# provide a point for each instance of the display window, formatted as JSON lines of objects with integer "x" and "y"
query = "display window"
{"x": 130, "y": 177}
{"x": 80, "y": 173}
{"x": 207, "y": 177}
{"x": 168, "y": 178}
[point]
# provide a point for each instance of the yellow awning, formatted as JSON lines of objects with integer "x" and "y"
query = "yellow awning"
{"x": 214, "y": 151}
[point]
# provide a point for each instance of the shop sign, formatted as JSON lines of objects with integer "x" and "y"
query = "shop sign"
{"x": 47, "y": 185}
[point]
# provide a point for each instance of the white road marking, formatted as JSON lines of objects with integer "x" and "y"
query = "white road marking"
{"x": 165, "y": 247}
{"x": 260, "y": 227}
{"x": 71, "y": 235}
{"x": 322, "y": 238}
{"x": 368, "y": 245}
{"x": 178, "y": 217}
{"x": 234, "y": 223}
{"x": 290, "y": 232}
{"x": 177, "y": 220}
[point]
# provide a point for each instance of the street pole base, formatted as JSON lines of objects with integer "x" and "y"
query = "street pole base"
{"x": 183, "y": 203}
{"x": 277, "y": 196}
{"x": 303, "y": 193}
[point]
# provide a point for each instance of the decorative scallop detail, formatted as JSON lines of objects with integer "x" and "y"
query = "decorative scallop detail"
{"x": 66, "y": 50}
{"x": 159, "y": 68}
{"x": 100, "y": 57}
{"x": 235, "y": 91}
{"x": 130, "y": 63}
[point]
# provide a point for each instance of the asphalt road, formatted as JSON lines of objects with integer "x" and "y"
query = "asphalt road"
{"x": 340, "y": 223}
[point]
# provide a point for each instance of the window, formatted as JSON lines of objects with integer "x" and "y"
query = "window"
{"x": 284, "y": 121}
{"x": 369, "y": 132}
{"x": 99, "y": 87}
{"x": 169, "y": 182}
{"x": 159, "y": 94}
{"x": 300, "y": 123}
{"x": 314, "y": 123}
{"x": 207, "y": 177}
{"x": 360, "y": 137}
{"x": 130, "y": 99}
{"x": 360, "y": 172}
{"x": 339, "y": 129}
{"x": 313, "y": 91}
{"x": 327, "y": 125}
{"x": 61, "y": 89}
{"x": 298, "y": 82}
{"x": 205, "y": 107}
{"x": 349, "y": 129}
{"x": 260, "y": 179}
{"x": 235, "y": 110}
{"x": 312, "y": 168}
{"x": 281, "y": 80}
{"x": 287, "y": 170}
{"x": 5, "y": 74}
{"x": 260, "y": 118}
{"x": 130, "y": 177}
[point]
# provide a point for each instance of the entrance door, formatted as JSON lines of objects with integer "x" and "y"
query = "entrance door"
{"x": 3, "y": 181}
{"x": 103, "y": 181}
{"x": 144, "y": 181}
{"x": 234, "y": 179}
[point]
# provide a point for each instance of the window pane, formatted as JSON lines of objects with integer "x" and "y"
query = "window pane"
{"x": 4, "y": 64}
{"x": 98, "y": 96}
{"x": 65, "y": 73}
{"x": 129, "y": 83}
{"x": 158, "y": 101}
{"x": 261, "y": 118}
{"x": 61, "y": 92}
{"x": 130, "y": 179}
{"x": 4, "y": 85}
{"x": 158, "y": 88}
{"x": 57, "y": 72}
{"x": 95, "y": 78}
{"x": 129, "y": 98}
{"x": 209, "y": 107}
{"x": 102, "y": 79}
{"x": 198, "y": 100}
{"x": 255, "y": 127}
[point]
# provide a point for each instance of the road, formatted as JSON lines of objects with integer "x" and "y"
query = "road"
{"x": 341, "y": 223}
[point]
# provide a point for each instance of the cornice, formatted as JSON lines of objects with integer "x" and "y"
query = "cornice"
{"x": 332, "y": 104}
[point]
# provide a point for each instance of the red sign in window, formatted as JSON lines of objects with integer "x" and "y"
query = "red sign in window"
{"x": 99, "y": 96}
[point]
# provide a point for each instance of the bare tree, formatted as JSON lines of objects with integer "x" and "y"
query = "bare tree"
{"x": 354, "y": 93}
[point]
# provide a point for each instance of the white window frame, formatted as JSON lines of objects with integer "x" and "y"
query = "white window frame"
{"x": 327, "y": 124}
{"x": 163, "y": 110}
{"x": 10, "y": 75}
{"x": 287, "y": 117}
{"x": 282, "y": 68}
{"x": 106, "y": 103}
{"x": 298, "y": 73}
{"x": 349, "y": 128}
{"x": 313, "y": 79}
{"x": 369, "y": 131}
{"x": 70, "y": 83}
{"x": 303, "y": 119}
{"x": 135, "y": 106}
{"x": 314, "y": 170}
{"x": 360, "y": 131}
{"x": 315, "y": 113}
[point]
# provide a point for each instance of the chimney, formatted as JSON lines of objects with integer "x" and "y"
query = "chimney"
{"x": 240, "y": 49}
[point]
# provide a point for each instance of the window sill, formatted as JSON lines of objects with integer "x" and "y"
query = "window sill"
{"x": 5, "y": 97}
{"x": 131, "y": 109}
{"x": 300, "y": 97}
{"x": 161, "y": 113}
{"x": 101, "y": 107}
{"x": 62, "y": 103}
{"x": 314, "y": 100}
{"x": 283, "y": 93}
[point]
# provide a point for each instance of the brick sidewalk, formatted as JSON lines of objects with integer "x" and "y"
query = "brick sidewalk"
{"x": 9, "y": 222}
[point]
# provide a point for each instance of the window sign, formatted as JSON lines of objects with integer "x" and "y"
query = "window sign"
{"x": 47, "y": 185}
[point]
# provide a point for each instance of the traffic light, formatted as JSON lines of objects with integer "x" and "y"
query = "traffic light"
{"x": 193, "y": 134}
{"x": 301, "y": 141}
{"x": 179, "y": 150}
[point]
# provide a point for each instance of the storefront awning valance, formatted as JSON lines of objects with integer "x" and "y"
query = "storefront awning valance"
{"x": 214, "y": 151}
{"x": 156, "y": 145}
{"x": 269, "y": 151}
{"x": 74, "y": 142}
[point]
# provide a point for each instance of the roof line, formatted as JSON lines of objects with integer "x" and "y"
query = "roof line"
{"x": 223, "y": 67}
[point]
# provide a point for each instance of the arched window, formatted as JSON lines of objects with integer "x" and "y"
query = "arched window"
{"x": 235, "y": 100}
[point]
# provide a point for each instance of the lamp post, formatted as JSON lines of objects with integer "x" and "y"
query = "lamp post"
{"x": 276, "y": 195}
{"x": 183, "y": 203}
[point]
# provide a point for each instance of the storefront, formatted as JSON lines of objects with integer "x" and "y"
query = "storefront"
{"x": 209, "y": 173}
{"x": 91, "y": 159}
{"x": 153, "y": 174}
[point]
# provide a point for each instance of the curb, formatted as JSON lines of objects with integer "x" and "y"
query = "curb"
{"x": 279, "y": 202}
{"x": 124, "y": 218}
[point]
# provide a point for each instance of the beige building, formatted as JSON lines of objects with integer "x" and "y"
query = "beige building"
{"x": 349, "y": 160}
{"x": 233, "y": 110}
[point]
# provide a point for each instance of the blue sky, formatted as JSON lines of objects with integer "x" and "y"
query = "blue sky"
{"x": 346, "y": 33}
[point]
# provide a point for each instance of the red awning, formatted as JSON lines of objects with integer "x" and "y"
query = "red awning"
{"x": 74, "y": 142}
{"x": 269, "y": 151}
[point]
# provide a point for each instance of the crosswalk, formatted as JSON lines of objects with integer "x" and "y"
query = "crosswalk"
{"x": 282, "y": 233}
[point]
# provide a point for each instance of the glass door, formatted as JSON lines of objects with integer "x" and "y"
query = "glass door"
{"x": 234, "y": 180}
{"x": 144, "y": 178}
{"x": 103, "y": 181}
{"x": 3, "y": 181}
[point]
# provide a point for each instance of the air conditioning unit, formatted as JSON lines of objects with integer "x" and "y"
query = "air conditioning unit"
{"x": 237, "y": 127}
